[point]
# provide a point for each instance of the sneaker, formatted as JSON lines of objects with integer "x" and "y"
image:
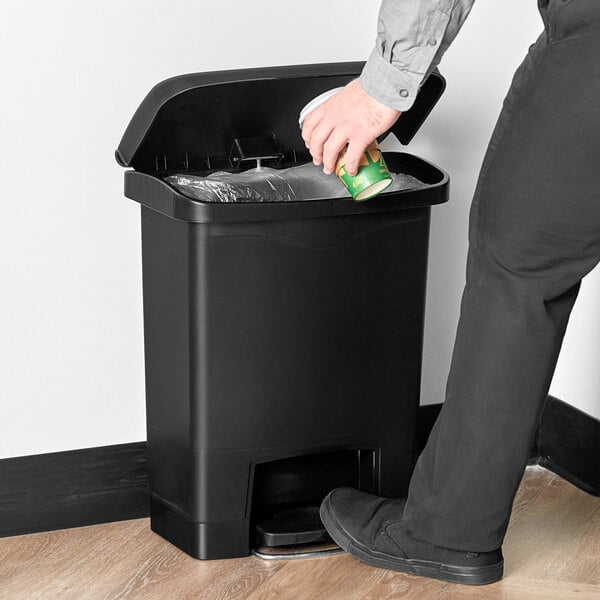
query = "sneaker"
{"x": 371, "y": 529}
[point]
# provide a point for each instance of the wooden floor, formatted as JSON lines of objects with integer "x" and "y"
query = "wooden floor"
{"x": 552, "y": 551}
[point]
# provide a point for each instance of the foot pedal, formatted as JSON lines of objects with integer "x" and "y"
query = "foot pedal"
{"x": 301, "y": 551}
{"x": 293, "y": 533}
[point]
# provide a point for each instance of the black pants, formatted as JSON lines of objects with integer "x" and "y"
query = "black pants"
{"x": 534, "y": 233}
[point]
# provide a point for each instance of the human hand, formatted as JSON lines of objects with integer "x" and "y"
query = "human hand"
{"x": 351, "y": 117}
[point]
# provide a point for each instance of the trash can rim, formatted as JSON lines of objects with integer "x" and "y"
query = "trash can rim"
{"x": 151, "y": 191}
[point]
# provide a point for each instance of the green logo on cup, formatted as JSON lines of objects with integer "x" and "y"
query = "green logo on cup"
{"x": 372, "y": 176}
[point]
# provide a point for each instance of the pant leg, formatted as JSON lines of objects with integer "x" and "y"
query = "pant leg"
{"x": 534, "y": 232}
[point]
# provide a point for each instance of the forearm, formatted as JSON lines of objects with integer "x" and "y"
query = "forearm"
{"x": 412, "y": 36}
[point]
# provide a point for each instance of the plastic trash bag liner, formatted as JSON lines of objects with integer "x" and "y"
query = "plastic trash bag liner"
{"x": 305, "y": 182}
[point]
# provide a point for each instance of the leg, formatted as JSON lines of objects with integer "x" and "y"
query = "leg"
{"x": 534, "y": 232}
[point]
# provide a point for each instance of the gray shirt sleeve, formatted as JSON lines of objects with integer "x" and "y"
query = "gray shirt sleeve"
{"x": 412, "y": 36}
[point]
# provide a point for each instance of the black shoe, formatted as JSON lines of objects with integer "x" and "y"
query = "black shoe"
{"x": 371, "y": 529}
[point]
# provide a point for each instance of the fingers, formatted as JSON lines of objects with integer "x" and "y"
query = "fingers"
{"x": 319, "y": 135}
{"x": 325, "y": 143}
{"x": 356, "y": 148}
{"x": 331, "y": 150}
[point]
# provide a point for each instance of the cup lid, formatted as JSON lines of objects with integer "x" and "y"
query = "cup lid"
{"x": 308, "y": 108}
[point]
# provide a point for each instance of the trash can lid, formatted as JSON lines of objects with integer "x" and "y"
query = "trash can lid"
{"x": 198, "y": 116}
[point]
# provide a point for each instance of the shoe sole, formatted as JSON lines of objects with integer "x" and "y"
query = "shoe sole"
{"x": 424, "y": 568}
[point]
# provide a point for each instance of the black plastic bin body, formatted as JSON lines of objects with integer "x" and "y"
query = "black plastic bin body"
{"x": 283, "y": 341}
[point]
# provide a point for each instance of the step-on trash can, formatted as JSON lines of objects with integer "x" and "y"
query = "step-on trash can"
{"x": 283, "y": 340}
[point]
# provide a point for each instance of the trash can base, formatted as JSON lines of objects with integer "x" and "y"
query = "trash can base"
{"x": 205, "y": 541}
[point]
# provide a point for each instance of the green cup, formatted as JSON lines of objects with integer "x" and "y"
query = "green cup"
{"x": 371, "y": 178}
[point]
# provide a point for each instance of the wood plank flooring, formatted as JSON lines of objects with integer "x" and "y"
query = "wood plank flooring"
{"x": 552, "y": 551}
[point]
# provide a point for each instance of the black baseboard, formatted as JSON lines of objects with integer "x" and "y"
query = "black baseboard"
{"x": 100, "y": 485}
{"x": 569, "y": 445}
{"x": 72, "y": 489}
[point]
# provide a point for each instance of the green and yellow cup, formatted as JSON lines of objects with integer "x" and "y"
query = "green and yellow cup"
{"x": 371, "y": 178}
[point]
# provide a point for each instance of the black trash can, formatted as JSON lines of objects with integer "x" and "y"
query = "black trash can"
{"x": 283, "y": 340}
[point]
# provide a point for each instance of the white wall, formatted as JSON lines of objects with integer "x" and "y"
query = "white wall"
{"x": 72, "y": 73}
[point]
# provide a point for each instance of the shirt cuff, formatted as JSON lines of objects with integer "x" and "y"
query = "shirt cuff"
{"x": 388, "y": 84}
